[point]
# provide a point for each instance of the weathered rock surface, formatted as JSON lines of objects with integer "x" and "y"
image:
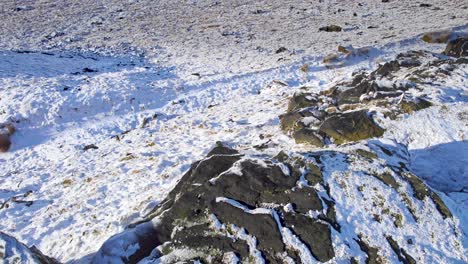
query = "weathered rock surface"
{"x": 231, "y": 205}
{"x": 457, "y": 47}
{"x": 224, "y": 194}
{"x": 394, "y": 88}
{"x": 350, "y": 126}
{"x": 308, "y": 136}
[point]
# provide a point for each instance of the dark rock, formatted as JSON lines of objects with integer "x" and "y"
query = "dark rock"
{"x": 90, "y": 146}
{"x": 461, "y": 61}
{"x": 352, "y": 95}
{"x": 330, "y": 216}
{"x": 212, "y": 187}
{"x": 262, "y": 226}
{"x": 388, "y": 68}
{"x": 308, "y": 136}
{"x": 88, "y": 70}
{"x": 367, "y": 154}
{"x": 457, "y": 47}
{"x": 331, "y": 28}
{"x": 425, "y": 5}
{"x": 404, "y": 257}
{"x": 315, "y": 235}
{"x": 388, "y": 179}
{"x": 281, "y": 49}
{"x": 351, "y": 126}
{"x": 5, "y": 142}
{"x": 282, "y": 156}
{"x": 220, "y": 149}
{"x": 313, "y": 174}
{"x": 290, "y": 121}
{"x": 373, "y": 256}
{"x": 302, "y": 100}
{"x": 421, "y": 191}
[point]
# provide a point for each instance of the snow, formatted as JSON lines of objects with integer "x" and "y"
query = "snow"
{"x": 141, "y": 57}
{"x": 11, "y": 251}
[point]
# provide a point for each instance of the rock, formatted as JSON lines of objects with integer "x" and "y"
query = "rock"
{"x": 457, "y": 47}
{"x": 437, "y": 36}
{"x": 5, "y": 142}
{"x": 353, "y": 95}
{"x": 315, "y": 235}
{"x": 387, "y": 69}
{"x": 308, "y": 136}
{"x": 416, "y": 104}
{"x": 421, "y": 191}
{"x": 366, "y": 154}
{"x": 373, "y": 256}
{"x": 88, "y": 70}
{"x": 220, "y": 149}
{"x": 289, "y": 121}
{"x": 13, "y": 251}
{"x": 228, "y": 189}
{"x": 262, "y": 226}
{"x": 350, "y": 126}
{"x": 281, "y": 49}
{"x": 331, "y": 28}
{"x": 302, "y": 100}
{"x": 402, "y": 255}
{"x": 6, "y": 131}
{"x": 388, "y": 179}
{"x": 424, "y": 5}
{"x": 90, "y": 146}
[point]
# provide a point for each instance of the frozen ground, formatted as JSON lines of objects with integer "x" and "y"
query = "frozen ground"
{"x": 218, "y": 37}
{"x": 150, "y": 116}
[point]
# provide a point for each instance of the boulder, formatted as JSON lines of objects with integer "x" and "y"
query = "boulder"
{"x": 457, "y": 47}
{"x": 217, "y": 203}
{"x": 5, "y": 142}
{"x": 290, "y": 121}
{"x": 350, "y": 126}
{"x": 6, "y": 131}
{"x": 302, "y": 100}
{"x": 308, "y": 136}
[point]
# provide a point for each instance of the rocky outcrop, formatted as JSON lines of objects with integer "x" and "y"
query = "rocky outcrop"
{"x": 263, "y": 210}
{"x": 359, "y": 203}
{"x": 344, "y": 112}
{"x": 228, "y": 203}
{"x": 457, "y": 47}
{"x": 13, "y": 251}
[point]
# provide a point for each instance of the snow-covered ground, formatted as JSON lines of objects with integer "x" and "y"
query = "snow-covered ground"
{"x": 181, "y": 77}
